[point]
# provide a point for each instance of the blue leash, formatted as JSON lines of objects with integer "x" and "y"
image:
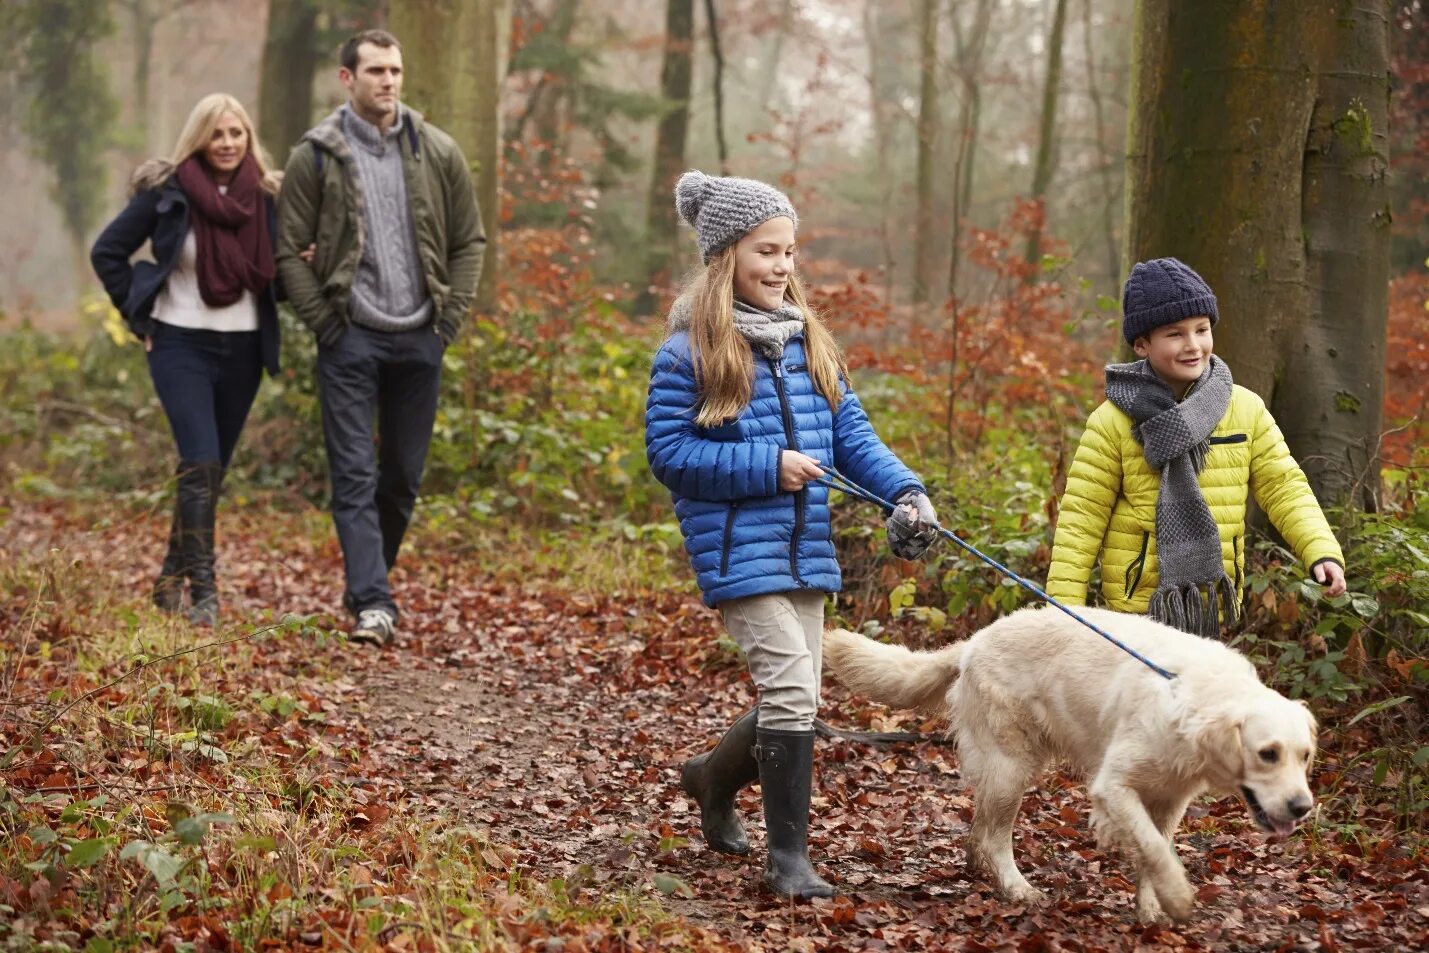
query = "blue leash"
{"x": 837, "y": 481}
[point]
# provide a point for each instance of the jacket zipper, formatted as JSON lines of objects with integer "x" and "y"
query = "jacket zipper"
{"x": 1139, "y": 565}
{"x": 728, "y": 539}
{"x": 777, "y": 366}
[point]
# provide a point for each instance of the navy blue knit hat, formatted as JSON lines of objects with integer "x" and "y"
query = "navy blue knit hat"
{"x": 1163, "y": 291}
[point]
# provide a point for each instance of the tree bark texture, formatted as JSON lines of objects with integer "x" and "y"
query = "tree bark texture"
{"x": 662, "y": 223}
{"x": 454, "y": 56}
{"x": 1257, "y": 155}
{"x": 285, "y": 86}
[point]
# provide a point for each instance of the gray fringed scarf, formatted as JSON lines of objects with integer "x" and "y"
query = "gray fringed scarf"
{"x": 1173, "y": 435}
{"x": 766, "y": 331}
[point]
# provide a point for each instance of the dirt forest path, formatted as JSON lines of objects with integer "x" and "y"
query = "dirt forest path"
{"x": 560, "y": 726}
{"x": 556, "y": 724}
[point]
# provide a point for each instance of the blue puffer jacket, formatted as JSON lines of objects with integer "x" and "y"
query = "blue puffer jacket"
{"x": 744, "y": 535}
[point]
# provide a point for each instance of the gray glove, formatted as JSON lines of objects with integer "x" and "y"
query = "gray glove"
{"x": 911, "y": 532}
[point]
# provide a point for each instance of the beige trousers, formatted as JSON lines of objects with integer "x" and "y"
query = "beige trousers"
{"x": 782, "y": 638}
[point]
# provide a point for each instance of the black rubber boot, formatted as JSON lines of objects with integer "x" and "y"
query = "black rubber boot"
{"x": 786, "y": 774}
{"x": 198, "y": 501}
{"x": 169, "y": 587}
{"x": 714, "y": 778}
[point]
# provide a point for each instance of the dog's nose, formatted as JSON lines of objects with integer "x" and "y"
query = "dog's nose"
{"x": 1299, "y": 807}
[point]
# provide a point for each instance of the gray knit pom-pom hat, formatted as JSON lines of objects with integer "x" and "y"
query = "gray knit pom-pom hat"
{"x": 722, "y": 210}
{"x": 1163, "y": 291}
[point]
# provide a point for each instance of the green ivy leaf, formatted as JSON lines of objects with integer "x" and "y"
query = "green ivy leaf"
{"x": 87, "y": 853}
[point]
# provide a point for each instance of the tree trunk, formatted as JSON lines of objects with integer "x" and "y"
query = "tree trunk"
{"x": 1105, "y": 152}
{"x": 554, "y": 91}
{"x": 878, "y": 98}
{"x": 662, "y": 224}
{"x": 970, "y": 51}
{"x": 285, "y": 85}
{"x": 717, "y": 85}
{"x": 927, "y": 142}
{"x": 1256, "y": 154}
{"x": 143, "y": 20}
{"x": 454, "y": 54}
{"x": 1047, "y": 137}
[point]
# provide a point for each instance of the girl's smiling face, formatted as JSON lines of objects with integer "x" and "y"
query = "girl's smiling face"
{"x": 1179, "y": 352}
{"x": 763, "y": 262}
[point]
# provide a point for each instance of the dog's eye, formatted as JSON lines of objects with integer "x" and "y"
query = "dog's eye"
{"x": 1270, "y": 755}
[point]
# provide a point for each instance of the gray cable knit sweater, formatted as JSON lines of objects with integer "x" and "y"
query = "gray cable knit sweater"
{"x": 390, "y": 290}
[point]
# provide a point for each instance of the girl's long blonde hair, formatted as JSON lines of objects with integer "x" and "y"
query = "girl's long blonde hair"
{"x": 722, "y": 359}
{"x": 197, "y": 131}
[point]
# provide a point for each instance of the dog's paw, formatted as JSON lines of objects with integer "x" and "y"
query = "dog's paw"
{"x": 1148, "y": 910}
{"x": 1023, "y": 893}
{"x": 1176, "y": 897}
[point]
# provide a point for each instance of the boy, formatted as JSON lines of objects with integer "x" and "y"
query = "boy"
{"x": 1158, "y": 487}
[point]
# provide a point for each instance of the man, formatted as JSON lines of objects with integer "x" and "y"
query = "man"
{"x": 379, "y": 250}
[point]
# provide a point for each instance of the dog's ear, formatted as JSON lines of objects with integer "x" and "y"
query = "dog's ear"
{"x": 1309, "y": 716}
{"x": 1218, "y": 741}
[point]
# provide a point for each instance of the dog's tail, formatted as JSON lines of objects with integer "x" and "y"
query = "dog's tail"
{"x": 891, "y": 674}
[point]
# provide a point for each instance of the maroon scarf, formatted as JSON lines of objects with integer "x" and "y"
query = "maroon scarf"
{"x": 230, "y": 231}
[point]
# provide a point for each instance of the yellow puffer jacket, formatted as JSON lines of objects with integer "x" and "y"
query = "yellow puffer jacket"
{"x": 1109, "y": 508}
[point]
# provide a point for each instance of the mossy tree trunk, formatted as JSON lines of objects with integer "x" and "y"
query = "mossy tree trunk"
{"x": 285, "y": 83}
{"x": 1257, "y": 155}
{"x": 1047, "y": 136}
{"x": 661, "y": 221}
{"x": 454, "y": 55}
{"x": 927, "y": 144}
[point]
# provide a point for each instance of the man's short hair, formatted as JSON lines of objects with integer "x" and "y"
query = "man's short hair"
{"x": 347, "y": 55}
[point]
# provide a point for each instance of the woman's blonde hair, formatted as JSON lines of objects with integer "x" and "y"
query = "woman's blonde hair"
{"x": 722, "y": 359}
{"x": 197, "y": 131}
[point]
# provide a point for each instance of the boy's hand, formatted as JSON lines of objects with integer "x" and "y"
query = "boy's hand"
{"x": 1331, "y": 575}
{"x": 796, "y": 469}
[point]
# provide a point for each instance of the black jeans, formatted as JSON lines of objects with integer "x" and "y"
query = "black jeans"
{"x": 394, "y": 377}
{"x": 206, "y": 381}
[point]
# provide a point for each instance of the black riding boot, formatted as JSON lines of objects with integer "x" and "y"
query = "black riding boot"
{"x": 786, "y": 774}
{"x": 169, "y": 587}
{"x": 714, "y": 778}
{"x": 198, "y": 501}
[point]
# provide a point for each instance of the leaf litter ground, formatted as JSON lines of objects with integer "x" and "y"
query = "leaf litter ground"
{"x": 555, "y": 721}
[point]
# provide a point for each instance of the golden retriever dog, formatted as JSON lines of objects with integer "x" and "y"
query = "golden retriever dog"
{"x": 1037, "y": 688}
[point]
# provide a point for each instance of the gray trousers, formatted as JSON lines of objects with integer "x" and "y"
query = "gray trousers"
{"x": 782, "y": 638}
{"x": 392, "y": 377}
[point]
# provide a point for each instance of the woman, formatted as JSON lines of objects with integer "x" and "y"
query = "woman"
{"x": 206, "y": 310}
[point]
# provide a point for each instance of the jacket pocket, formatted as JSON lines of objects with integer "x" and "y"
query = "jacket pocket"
{"x": 728, "y": 540}
{"x": 1228, "y": 438}
{"x": 1133, "y": 571}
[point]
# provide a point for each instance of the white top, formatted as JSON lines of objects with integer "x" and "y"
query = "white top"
{"x": 180, "y": 304}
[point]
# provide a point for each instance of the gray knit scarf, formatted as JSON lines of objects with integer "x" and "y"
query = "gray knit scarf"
{"x": 768, "y": 331}
{"x": 1174, "y": 437}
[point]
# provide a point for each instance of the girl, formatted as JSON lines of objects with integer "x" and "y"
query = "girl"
{"x": 206, "y": 310}
{"x": 748, "y": 397}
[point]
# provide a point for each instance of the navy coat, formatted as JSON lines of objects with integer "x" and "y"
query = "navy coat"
{"x": 744, "y": 535}
{"x": 161, "y": 217}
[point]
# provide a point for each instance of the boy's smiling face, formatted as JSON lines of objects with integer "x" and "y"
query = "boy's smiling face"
{"x": 1178, "y": 353}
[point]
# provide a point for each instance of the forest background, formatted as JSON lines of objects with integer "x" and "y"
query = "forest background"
{"x": 974, "y": 178}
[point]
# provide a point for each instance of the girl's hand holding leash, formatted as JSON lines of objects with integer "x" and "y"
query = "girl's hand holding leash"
{"x": 913, "y": 525}
{"x": 797, "y": 469}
